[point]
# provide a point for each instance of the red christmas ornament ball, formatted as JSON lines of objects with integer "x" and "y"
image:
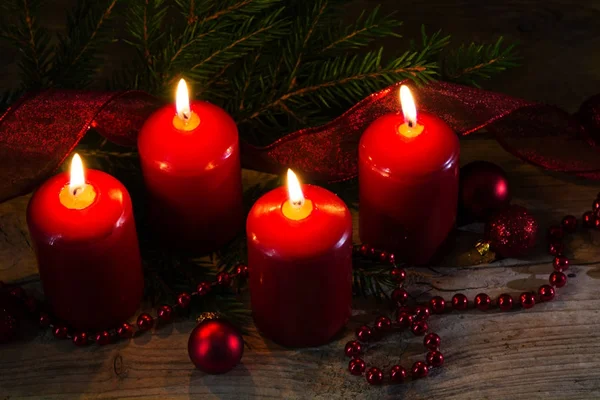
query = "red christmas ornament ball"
{"x": 432, "y": 341}
{"x": 527, "y": 300}
{"x": 560, "y": 263}
{"x": 383, "y": 324}
{"x": 404, "y": 319}
{"x": 125, "y": 331}
{"x": 435, "y": 358}
{"x": 374, "y": 376}
{"x": 353, "y": 348}
{"x": 203, "y": 288}
{"x": 546, "y": 293}
{"x": 422, "y": 313}
{"x": 483, "y": 302}
{"x": 399, "y": 296}
{"x": 8, "y": 326}
{"x": 589, "y": 116}
{"x": 80, "y": 339}
{"x": 165, "y": 313}
{"x": 145, "y": 322}
{"x": 588, "y": 219}
{"x": 356, "y": 366}
{"x": 419, "y": 370}
{"x": 558, "y": 279}
{"x": 364, "y": 333}
{"x": 419, "y": 328}
{"x": 512, "y": 232}
{"x": 215, "y": 346}
{"x": 398, "y": 374}
{"x": 484, "y": 189}
{"x": 103, "y": 338}
{"x": 398, "y": 275}
{"x": 460, "y": 302}
{"x": 437, "y": 304}
{"x": 569, "y": 223}
{"x": 505, "y": 302}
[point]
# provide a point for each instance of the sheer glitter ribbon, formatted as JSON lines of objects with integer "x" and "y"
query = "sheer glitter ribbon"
{"x": 41, "y": 129}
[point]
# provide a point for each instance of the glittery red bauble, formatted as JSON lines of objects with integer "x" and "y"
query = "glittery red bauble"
{"x": 589, "y": 116}
{"x": 8, "y": 326}
{"x": 484, "y": 189}
{"x": 512, "y": 232}
{"x": 215, "y": 346}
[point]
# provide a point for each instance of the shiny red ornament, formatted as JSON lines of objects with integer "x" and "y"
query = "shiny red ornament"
{"x": 398, "y": 374}
{"x": 60, "y": 331}
{"x": 103, "y": 338}
{"x": 404, "y": 319}
{"x": 555, "y": 233}
{"x": 546, "y": 293}
{"x": 356, "y": 366}
{"x": 184, "y": 300}
{"x": 484, "y": 189}
{"x": 353, "y": 348}
{"x": 242, "y": 271}
{"x": 422, "y": 313}
{"x": 364, "y": 333}
{"x": 398, "y": 275}
{"x": 383, "y": 324}
{"x": 560, "y": 263}
{"x": 588, "y": 219}
{"x": 596, "y": 205}
{"x": 80, "y": 339}
{"x": 419, "y": 328}
{"x": 483, "y": 302}
{"x": 527, "y": 300}
{"x": 505, "y": 302}
{"x": 374, "y": 376}
{"x": 365, "y": 249}
{"x": 558, "y": 279}
{"x": 432, "y": 341}
{"x": 556, "y": 249}
{"x": 215, "y": 346}
{"x": 8, "y": 326}
{"x": 460, "y": 302}
{"x": 435, "y": 358}
{"x": 569, "y": 223}
{"x": 437, "y": 304}
{"x": 145, "y": 322}
{"x": 223, "y": 279}
{"x": 392, "y": 258}
{"x": 203, "y": 288}
{"x": 383, "y": 256}
{"x": 597, "y": 222}
{"x": 512, "y": 232}
{"x": 125, "y": 331}
{"x": 44, "y": 320}
{"x": 165, "y": 313}
{"x": 399, "y": 296}
{"x": 419, "y": 370}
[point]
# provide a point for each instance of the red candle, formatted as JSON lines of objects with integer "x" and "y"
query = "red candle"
{"x": 408, "y": 177}
{"x": 191, "y": 164}
{"x": 84, "y": 236}
{"x": 300, "y": 264}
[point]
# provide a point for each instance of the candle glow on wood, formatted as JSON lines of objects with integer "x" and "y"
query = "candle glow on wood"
{"x": 296, "y": 207}
{"x": 185, "y": 119}
{"x": 410, "y": 128}
{"x": 77, "y": 195}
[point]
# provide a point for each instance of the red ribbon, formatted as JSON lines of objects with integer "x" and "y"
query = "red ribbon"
{"x": 40, "y": 131}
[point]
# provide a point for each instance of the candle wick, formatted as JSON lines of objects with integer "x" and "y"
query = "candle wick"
{"x": 297, "y": 203}
{"x": 410, "y": 124}
{"x": 77, "y": 190}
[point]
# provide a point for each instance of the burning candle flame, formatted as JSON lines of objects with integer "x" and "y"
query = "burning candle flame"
{"x": 182, "y": 101}
{"x": 408, "y": 106}
{"x": 77, "y": 182}
{"x": 295, "y": 194}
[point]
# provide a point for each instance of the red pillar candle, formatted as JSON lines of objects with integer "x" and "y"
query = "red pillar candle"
{"x": 191, "y": 164}
{"x": 84, "y": 236}
{"x": 408, "y": 178}
{"x": 300, "y": 264}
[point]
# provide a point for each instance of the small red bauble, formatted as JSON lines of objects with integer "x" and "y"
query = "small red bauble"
{"x": 364, "y": 333}
{"x": 223, "y": 279}
{"x": 80, "y": 339}
{"x": 404, "y": 319}
{"x": 383, "y": 324}
{"x": 505, "y": 302}
{"x": 556, "y": 249}
{"x": 398, "y": 374}
{"x": 460, "y": 302}
{"x": 432, "y": 341}
{"x": 203, "y": 288}
{"x": 419, "y": 370}
{"x": 422, "y": 313}
{"x": 546, "y": 293}
{"x": 419, "y": 328}
{"x": 399, "y": 296}
{"x": 560, "y": 263}
{"x": 60, "y": 331}
{"x": 184, "y": 300}
{"x": 588, "y": 219}
{"x": 8, "y": 326}
{"x": 125, "y": 331}
{"x": 596, "y": 205}
{"x": 353, "y": 348}
{"x": 103, "y": 338}
{"x": 215, "y": 346}
{"x": 356, "y": 366}
{"x": 242, "y": 271}
{"x": 364, "y": 250}
{"x": 44, "y": 320}
{"x": 383, "y": 256}
{"x": 398, "y": 275}
{"x": 392, "y": 259}
{"x": 483, "y": 190}
{"x": 569, "y": 223}
{"x": 165, "y": 313}
{"x": 558, "y": 279}
{"x": 435, "y": 358}
{"x": 597, "y": 222}
{"x": 437, "y": 305}
{"x": 527, "y": 300}
{"x": 374, "y": 376}
{"x": 483, "y": 302}
{"x": 555, "y": 233}
{"x": 145, "y": 322}
{"x": 512, "y": 232}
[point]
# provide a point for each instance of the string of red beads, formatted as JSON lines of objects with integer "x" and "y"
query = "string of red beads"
{"x": 416, "y": 318}
{"x": 143, "y": 323}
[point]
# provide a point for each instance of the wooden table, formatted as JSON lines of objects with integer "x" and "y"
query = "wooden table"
{"x": 550, "y": 351}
